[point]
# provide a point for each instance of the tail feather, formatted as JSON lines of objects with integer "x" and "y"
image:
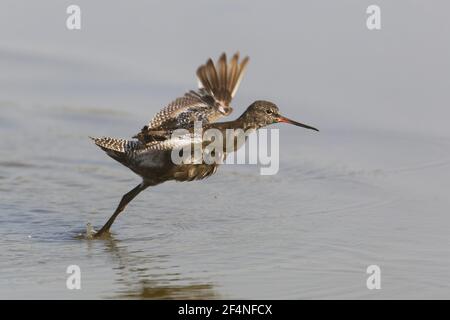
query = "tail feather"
{"x": 116, "y": 148}
{"x": 107, "y": 143}
{"x": 222, "y": 80}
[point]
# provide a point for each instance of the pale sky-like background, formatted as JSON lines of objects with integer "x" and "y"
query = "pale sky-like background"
{"x": 314, "y": 58}
{"x": 370, "y": 188}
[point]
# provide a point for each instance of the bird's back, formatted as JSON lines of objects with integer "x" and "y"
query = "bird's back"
{"x": 150, "y": 156}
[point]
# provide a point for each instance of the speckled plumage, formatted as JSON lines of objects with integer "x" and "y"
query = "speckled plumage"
{"x": 217, "y": 86}
{"x": 150, "y": 156}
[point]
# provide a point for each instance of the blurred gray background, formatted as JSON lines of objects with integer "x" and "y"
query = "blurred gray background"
{"x": 371, "y": 188}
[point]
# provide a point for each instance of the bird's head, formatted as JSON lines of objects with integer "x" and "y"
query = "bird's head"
{"x": 263, "y": 113}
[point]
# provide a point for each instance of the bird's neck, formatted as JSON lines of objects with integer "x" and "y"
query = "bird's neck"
{"x": 243, "y": 122}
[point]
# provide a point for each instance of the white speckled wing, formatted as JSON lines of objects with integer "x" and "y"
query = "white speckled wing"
{"x": 180, "y": 112}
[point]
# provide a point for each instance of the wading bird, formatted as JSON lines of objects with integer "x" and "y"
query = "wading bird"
{"x": 149, "y": 154}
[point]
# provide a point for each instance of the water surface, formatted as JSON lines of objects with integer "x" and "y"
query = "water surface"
{"x": 370, "y": 188}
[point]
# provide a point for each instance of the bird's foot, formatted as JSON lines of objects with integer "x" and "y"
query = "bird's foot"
{"x": 101, "y": 234}
{"x": 90, "y": 231}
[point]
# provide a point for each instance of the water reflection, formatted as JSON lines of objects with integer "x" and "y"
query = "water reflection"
{"x": 149, "y": 291}
{"x": 142, "y": 277}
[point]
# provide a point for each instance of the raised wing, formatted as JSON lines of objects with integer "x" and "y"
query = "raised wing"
{"x": 222, "y": 80}
{"x": 181, "y": 112}
{"x": 218, "y": 85}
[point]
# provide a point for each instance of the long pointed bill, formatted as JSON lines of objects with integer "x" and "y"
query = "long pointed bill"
{"x": 295, "y": 123}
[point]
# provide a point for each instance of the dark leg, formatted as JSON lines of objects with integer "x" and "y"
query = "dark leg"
{"x": 123, "y": 203}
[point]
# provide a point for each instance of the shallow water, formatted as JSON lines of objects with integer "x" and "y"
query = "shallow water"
{"x": 308, "y": 232}
{"x": 370, "y": 188}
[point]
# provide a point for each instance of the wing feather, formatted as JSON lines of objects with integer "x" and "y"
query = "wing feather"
{"x": 218, "y": 85}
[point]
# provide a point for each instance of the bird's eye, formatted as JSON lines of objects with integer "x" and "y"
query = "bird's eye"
{"x": 269, "y": 111}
